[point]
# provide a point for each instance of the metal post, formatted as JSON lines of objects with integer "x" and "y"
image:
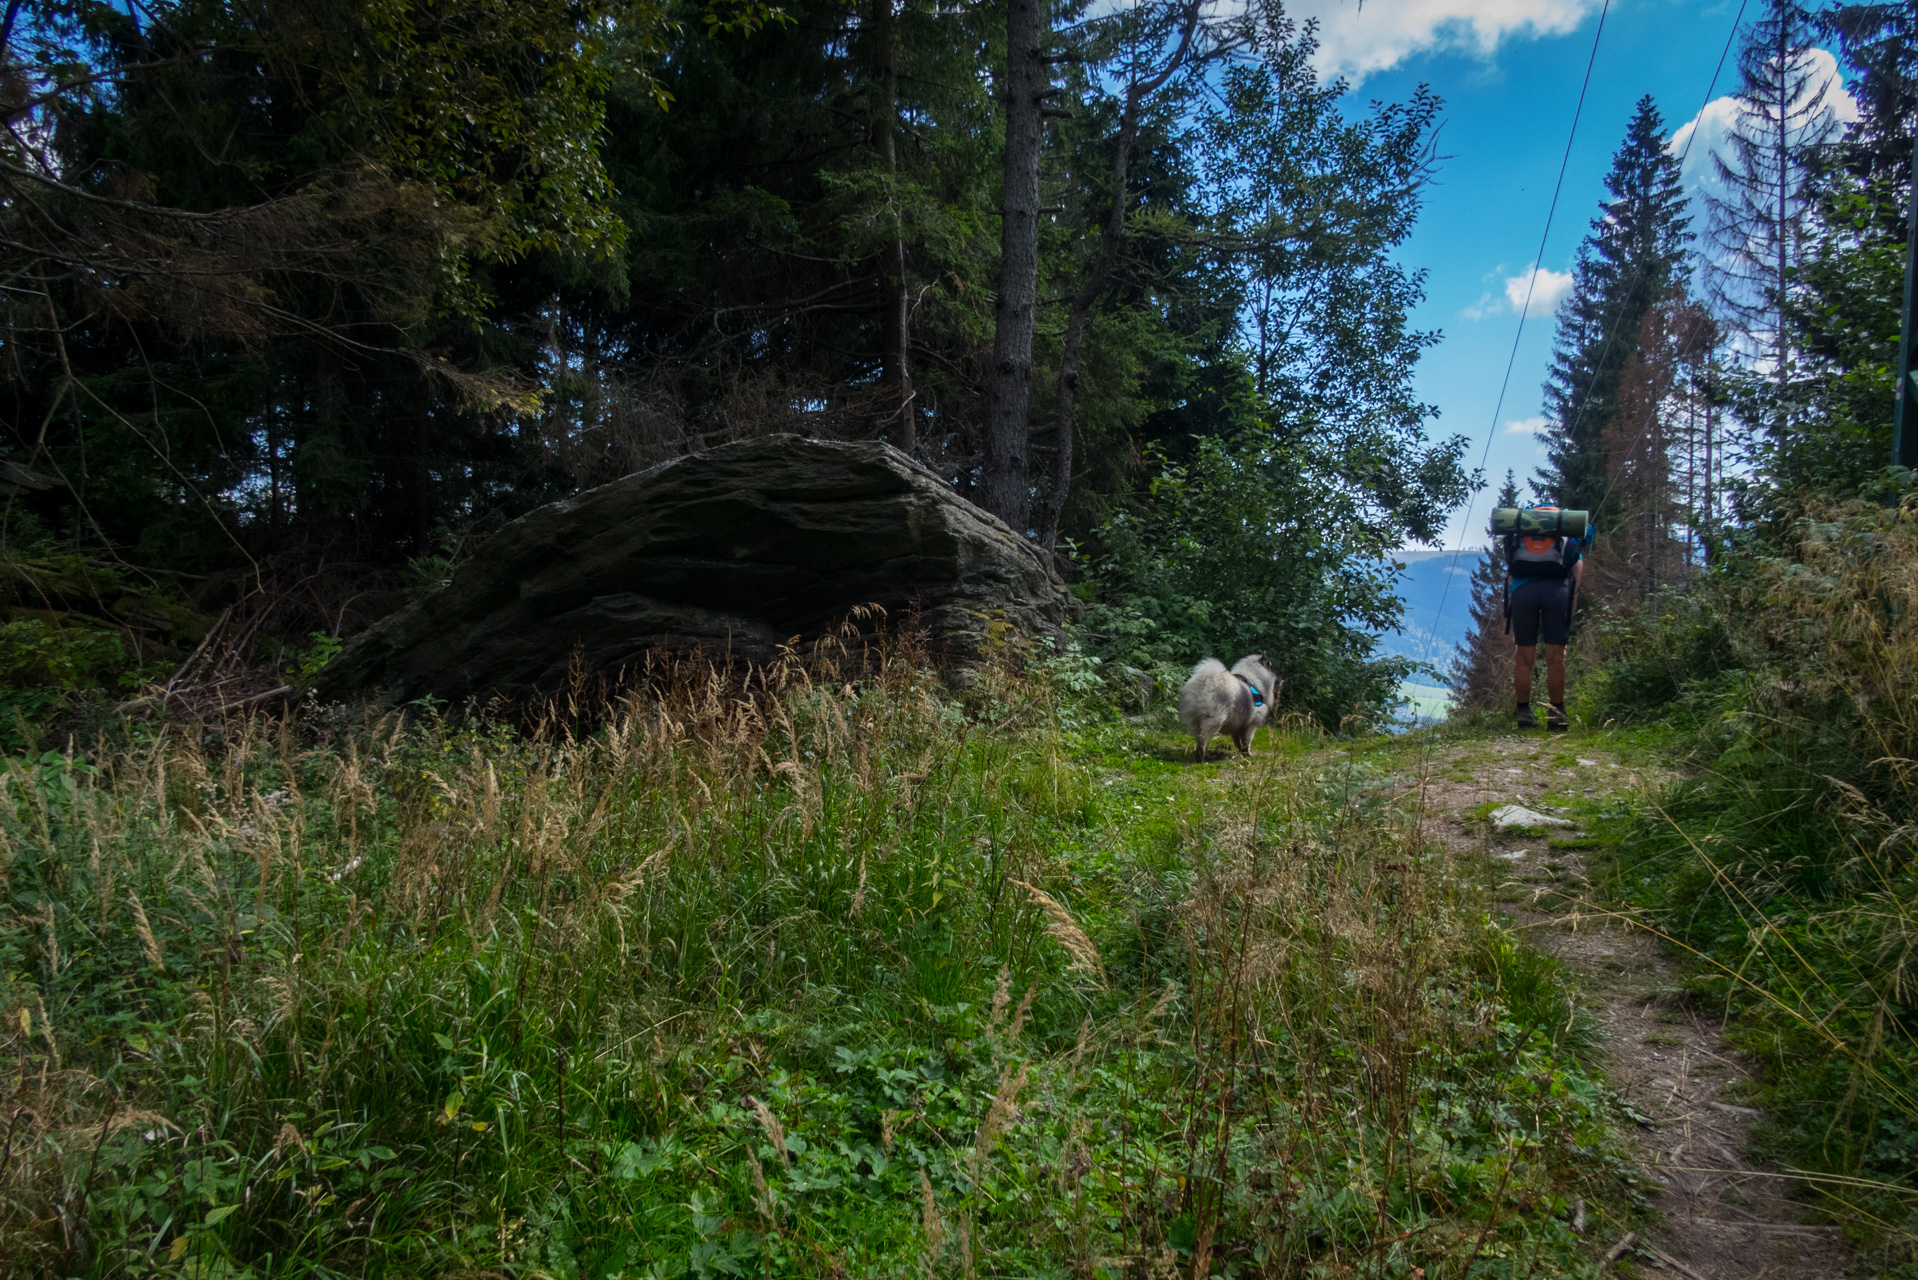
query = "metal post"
{"x": 1904, "y": 431}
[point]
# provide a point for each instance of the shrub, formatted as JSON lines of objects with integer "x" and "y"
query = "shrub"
{"x": 1785, "y": 859}
{"x": 1240, "y": 552}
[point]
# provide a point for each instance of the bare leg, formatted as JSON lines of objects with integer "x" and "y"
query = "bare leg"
{"x": 1554, "y": 674}
{"x": 1527, "y": 656}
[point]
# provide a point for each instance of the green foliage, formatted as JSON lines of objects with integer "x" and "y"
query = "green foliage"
{"x": 1822, "y": 424}
{"x": 45, "y": 666}
{"x": 305, "y": 663}
{"x": 1632, "y": 260}
{"x": 1538, "y": 998}
{"x": 813, "y": 978}
{"x": 1782, "y": 860}
{"x": 478, "y": 256}
{"x": 1257, "y": 545}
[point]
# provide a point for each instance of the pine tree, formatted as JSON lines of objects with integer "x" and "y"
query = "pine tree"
{"x": 1759, "y": 226}
{"x": 1628, "y": 263}
{"x": 1650, "y": 449}
{"x": 1481, "y": 672}
{"x": 1848, "y": 284}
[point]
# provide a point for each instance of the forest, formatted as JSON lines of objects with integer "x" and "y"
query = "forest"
{"x": 304, "y": 301}
{"x": 841, "y": 967}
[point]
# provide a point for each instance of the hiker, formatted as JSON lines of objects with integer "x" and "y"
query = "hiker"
{"x": 1543, "y": 570}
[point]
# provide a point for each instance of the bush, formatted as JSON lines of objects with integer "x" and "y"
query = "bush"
{"x": 1785, "y": 860}
{"x": 1241, "y": 551}
{"x": 46, "y": 665}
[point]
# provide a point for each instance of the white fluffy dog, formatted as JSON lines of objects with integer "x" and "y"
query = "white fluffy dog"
{"x": 1235, "y": 702}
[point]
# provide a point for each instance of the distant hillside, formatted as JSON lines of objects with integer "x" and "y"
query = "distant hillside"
{"x": 1426, "y": 633}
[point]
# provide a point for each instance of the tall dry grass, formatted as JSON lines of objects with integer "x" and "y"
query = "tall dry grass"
{"x": 1784, "y": 860}
{"x": 822, "y": 971}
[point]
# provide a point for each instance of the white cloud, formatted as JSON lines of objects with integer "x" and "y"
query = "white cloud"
{"x": 1482, "y": 308}
{"x": 1360, "y": 37}
{"x": 1537, "y": 290}
{"x": 1713, "y": 124}
{"x": 1525, "y": 427}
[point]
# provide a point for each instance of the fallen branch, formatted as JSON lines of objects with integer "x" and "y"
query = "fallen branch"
{"x": 1620, "y": 1249}
{"x": 257, "y": 700}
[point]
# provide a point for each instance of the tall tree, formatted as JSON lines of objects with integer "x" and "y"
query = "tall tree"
{"x": 1481, "y": 672}
{"x": 620, "y": 239}
{"x": 1646, "y": 447}
{"x": 900, "y": 418}
{"x": 1005, "y": 482}
{"x": 1147, "y": 32}
{"x": 1758, "y": 226}
{"x": 1629, "y": 262}
{"x": 1846, "y": 287}
{"x": 253, "y": 254}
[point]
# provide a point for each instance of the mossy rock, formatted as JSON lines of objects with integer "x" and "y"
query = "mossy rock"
{"x": 733, "y": 552}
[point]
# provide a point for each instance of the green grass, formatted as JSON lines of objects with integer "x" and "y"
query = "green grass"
{"x": 1780, "y": 693}
{"x": 823, "y": 976}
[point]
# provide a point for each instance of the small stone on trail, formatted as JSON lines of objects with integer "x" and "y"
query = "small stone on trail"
{"x": 1517, "y": 815}
{"x": 1516, "y": 855}
{"x": 1589, "y": 764}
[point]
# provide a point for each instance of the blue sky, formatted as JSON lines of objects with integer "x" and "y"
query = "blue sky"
{"x": 1509, "y": 71}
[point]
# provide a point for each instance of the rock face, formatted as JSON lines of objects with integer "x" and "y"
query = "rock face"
{"x": 735, "y": 550}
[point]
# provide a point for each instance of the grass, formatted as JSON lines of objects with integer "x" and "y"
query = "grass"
{"x": 832, "y": 973}
{"x": 1779, "y": 859}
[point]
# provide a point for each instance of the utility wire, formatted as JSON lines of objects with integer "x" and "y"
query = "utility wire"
{"x": 1538, "y": 264}
{"x": 1612, "y": 333}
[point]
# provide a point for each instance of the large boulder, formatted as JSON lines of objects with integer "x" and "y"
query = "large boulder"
{"x": 735, "y": 551}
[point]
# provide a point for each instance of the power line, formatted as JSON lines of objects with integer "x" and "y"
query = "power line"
{"x": 1524, "y": 311}
{"x": 1697, "y": 125}
{"x": 1612, "y": 331}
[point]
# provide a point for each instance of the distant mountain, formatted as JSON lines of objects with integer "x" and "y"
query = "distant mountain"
{"x": 1427, "y": 632}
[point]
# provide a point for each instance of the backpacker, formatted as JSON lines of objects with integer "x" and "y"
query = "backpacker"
{"x": 1535, "y": 539}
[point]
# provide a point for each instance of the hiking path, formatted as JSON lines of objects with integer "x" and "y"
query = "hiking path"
{"x": 1720, "y": 1214}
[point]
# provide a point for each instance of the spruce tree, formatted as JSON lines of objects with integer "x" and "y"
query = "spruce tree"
{"x": 1481, "y": 671}
{"x": 1631, "y": 260}
{"x": 1759, "y": 226}
{"x": 1847, "y": 288}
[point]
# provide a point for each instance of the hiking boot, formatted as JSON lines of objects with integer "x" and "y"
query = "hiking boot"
{"x": 1555, "y": 718}
{"x": 1526, "y": 720}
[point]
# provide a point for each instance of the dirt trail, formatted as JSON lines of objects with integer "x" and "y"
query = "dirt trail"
{"x": 1721, "y": 1217}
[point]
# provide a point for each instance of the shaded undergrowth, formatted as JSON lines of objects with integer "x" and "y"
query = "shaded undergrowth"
{"x": 829, "y": 973}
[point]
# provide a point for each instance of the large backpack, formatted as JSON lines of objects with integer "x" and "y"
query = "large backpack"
{"x": 1537, "y": 554}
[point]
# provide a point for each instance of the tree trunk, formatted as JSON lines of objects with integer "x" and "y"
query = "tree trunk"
{"x": 1095, "y": 282}
{"x": 1005, "y": 485}
{"x": 423, "y": 470}
{"x": 1081, "y": 312}
{"x": 1784, "y": 191}
{"x": 901, "y": 419}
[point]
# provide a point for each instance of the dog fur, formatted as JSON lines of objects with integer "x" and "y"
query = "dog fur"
{"x": 1217, "y": 701}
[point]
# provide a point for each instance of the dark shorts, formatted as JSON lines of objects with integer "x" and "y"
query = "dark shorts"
{"x": 1541, "y": 603}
